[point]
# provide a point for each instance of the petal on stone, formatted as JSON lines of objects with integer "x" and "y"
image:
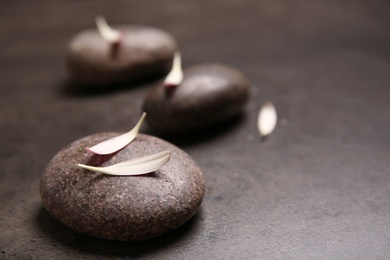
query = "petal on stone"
{"x": 115, "y": 144}
{"x": 109, "y": 34}
{"x": 175, "y": 76}
{"x": 137, "y": 166}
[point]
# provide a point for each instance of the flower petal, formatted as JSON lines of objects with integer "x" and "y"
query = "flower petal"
{"x": 137, "y": 166}
{"x": 115, "y": 144}
{"x": 267, "y": 119}
{"x": 109, "y": 34}
{"x": 175, "y": 76}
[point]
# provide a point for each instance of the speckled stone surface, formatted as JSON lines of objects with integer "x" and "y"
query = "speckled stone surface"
{"x": 125, "y": 208}
{"x": 143, "y": 52}
{"x": 209, "y": 93}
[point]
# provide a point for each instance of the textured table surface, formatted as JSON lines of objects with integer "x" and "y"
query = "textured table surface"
{"x": 317, "y": 188}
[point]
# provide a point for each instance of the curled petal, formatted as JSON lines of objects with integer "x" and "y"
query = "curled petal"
{"x": 137, "y": 166}
{"x": 115, "y": 144}
{"x": 175, "y": 76}
{"x": 109, "y": 34}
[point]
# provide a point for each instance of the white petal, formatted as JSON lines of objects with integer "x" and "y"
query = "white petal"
{"x": 109, "y": 34}
{"x": 175, "y": 76}
{"x": 267, "y": 119}
{"x": 115, "y": 144}
{"x": 137, "y": 166}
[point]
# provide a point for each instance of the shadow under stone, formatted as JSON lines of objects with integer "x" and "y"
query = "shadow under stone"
{"x": 107, "y": 248}
{"x": 201, "y": 135}
{"x": 69, "y": 88}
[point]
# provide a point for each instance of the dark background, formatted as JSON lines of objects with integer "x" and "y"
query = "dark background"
{"x": 317, "y": 188}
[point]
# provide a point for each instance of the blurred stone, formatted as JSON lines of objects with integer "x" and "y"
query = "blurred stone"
{"x": 143, "y": 52}
{"x": 209, "y": 94}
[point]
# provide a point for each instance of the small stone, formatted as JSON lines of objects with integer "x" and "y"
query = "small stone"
{"x": 209, "y": 94}
{"x": 142, "y": 53}
{"x": 124, "y": 208}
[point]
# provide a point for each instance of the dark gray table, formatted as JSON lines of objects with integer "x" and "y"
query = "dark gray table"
{"x": 317, "y": 188}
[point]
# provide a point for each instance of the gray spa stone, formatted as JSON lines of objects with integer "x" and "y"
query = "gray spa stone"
{"x": 209, "y": 94}
{"x": 144, "y": 52}
{"x": 124, "y": 208}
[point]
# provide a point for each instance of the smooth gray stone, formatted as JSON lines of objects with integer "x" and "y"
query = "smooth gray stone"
{"x": 124, "y": 208}
{"x": 144, "y": 52}
{"x": 209, "y": 94}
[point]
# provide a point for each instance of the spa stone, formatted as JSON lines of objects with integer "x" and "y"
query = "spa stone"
{"x": 142, "y": 53}
{"x": 124, "y": 208}
{"x": 208, "y": 94}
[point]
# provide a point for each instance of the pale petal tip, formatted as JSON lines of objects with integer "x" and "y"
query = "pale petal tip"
{"x": 117, "y": 143}
{"x": 109, "y": 34}
{"x": 98, "y": 151}
{"x": 175, "y": 76}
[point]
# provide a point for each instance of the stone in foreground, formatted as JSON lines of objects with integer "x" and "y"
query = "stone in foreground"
{"x": 124, "y": 208}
